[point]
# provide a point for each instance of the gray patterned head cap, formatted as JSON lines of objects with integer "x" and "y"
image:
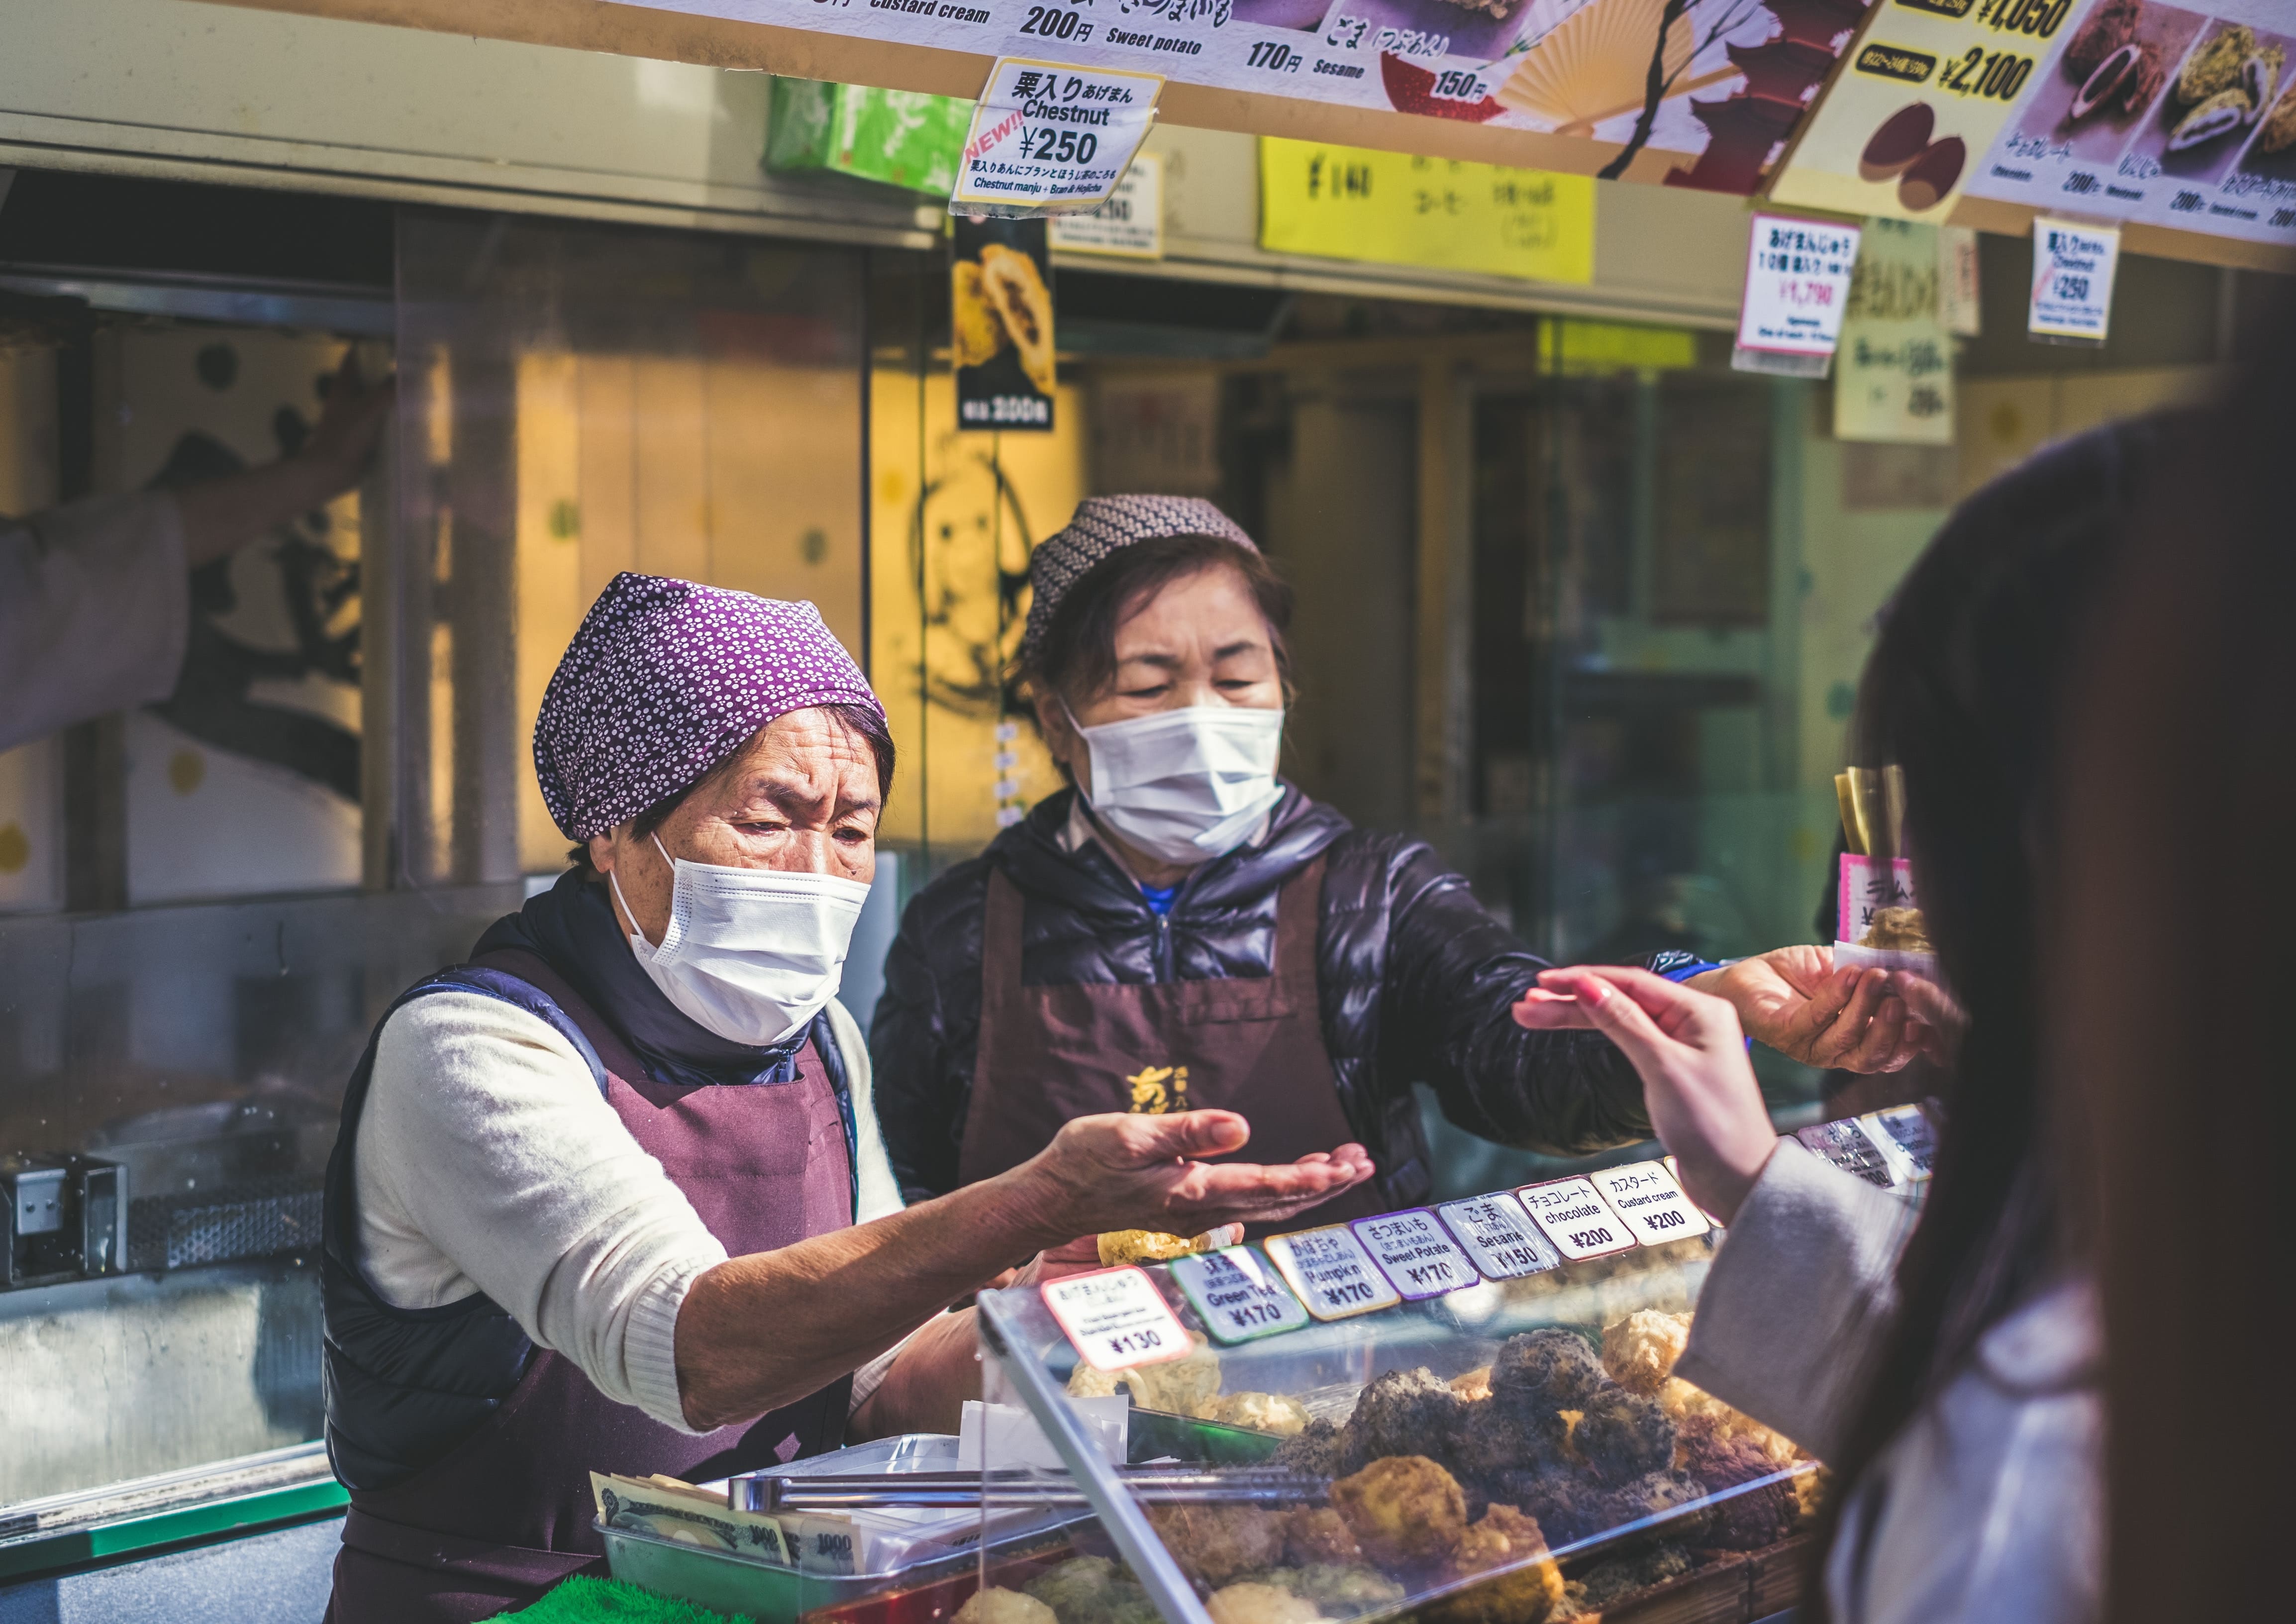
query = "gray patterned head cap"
{"x": 1102, "y": 526}
{"x": 665, "y": 679}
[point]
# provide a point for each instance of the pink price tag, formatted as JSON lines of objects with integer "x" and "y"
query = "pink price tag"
{"x": 1117, "y": 1319}
{"x": 1869, "y": 885}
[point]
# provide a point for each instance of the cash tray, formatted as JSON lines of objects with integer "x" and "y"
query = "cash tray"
{"x": 924, "y": 1546}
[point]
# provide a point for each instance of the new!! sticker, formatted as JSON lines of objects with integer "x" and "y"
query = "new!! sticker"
{"x": 1237, "y": 1295}
{"x": 1116, "y": 1320}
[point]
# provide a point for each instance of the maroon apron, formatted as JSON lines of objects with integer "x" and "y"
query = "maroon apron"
{"x": 1253, "y": 1044}
{"x": 508, "y": 1512}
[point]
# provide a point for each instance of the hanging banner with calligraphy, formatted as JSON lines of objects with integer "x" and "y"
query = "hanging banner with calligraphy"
{"x": 1893, "y": 378}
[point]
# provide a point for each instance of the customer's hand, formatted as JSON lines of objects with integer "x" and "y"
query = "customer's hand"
{"x": 1796, "y": 1002}
{"x": 1700, "y": 1090}
{"x": 1120, "y": 1171}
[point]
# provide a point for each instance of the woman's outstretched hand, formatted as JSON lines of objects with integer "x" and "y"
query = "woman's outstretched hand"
{"x": 1700, "y": 1090}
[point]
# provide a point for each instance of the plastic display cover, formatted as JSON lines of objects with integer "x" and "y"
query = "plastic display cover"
{"x": 1344, "y": 1440}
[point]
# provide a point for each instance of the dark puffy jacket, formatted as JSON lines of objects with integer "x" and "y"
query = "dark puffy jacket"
{"x": 1413, "y": 978}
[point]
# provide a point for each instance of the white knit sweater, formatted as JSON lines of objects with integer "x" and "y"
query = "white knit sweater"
{"x": 487, "y": 1161}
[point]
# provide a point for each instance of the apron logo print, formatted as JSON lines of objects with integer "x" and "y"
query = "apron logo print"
{"x": 1159, "y": 1089}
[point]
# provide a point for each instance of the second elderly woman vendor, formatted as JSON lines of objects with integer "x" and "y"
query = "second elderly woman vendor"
{"x": 1185, "y": 929}
{"x": 610, "y": 1197}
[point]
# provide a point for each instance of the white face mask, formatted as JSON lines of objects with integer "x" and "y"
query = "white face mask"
{"x": 751, "y": 954}
{"x": 1185, "y": 785}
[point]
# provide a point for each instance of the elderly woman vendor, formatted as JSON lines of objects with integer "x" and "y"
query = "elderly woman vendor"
{"x": 1182, "y": 928}
{"x": 610, "y": 1196}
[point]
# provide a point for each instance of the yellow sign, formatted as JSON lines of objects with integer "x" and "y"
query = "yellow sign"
{"x": 1348, "y": 204}
{"x": 1569, "y": 345}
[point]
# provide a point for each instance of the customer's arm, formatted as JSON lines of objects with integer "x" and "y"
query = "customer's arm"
{"x": 223, "y": 515}
{"x": 94, "y": 603}
{"x": 1801, "y": 1286}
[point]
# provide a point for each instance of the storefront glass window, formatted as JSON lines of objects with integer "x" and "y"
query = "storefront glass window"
{"x": 212, "y": 900}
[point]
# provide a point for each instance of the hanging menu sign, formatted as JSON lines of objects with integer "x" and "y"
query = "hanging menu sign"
{"x": 1661, "y": 80}
{"x": 1237, "y": 1295}
{"x": 1116, "y": 1320}
{"x": 1499, "y": 1236}
{"x": 1332, "y": 1272}
{"x": 1050, "y": 138}
{"x": 2073, "y": 281}
{"x": 1415, "y": 1254}
{"x": 1652, "y": 1204}
{"x": 1797, "y": 287}
{"x": 2182, "y": 116}
{"x": 1576, "y": 1218}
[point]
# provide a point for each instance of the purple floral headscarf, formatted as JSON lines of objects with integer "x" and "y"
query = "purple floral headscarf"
{"x": 664, "y": 680}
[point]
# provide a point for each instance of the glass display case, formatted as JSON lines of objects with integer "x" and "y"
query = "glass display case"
{"x": 1462, "y": 1413}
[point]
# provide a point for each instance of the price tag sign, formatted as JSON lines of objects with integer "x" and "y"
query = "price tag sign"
{"x": 1573, "y": 1215}
{"x": 1130, "y": 225}
{"x": 1906, "y": 1140}
{"x": 1332, "y": 1272}
{"x": 1652, "y": 1205}
{"x": 1117, "y": 1319}
{"x": 1797, "y": 285}
{"x": 1848, "y": 1147}
{"x": 1237, "y": 1295}
{"x": 2072, "y": 280}
{"x": 1051, "y": 138}
{"x": 1417, "y": 1254}
{"x": 1499, "y": 1235}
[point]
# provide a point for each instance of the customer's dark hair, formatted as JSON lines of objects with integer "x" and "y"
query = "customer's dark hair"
{"x": 1961, "y": 692}
{"x": 1077, "y": 652}
{"x": 2173, "y": 1019}
{"x": 863, "y": 719}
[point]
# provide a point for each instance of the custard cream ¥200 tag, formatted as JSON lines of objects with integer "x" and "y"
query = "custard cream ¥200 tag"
{"x": 1051, "y": 138}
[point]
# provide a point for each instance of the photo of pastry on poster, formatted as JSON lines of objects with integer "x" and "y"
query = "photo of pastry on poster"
{"x": 1712, "y": 84}
{"x": 2171, "y": 115}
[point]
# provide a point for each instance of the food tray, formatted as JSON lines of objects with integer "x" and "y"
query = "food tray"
{"x": 728, "y": 1582}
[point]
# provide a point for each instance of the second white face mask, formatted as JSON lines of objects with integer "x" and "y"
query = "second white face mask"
{"x": 1187, "y": 785}
{"x": 751, "y": 954}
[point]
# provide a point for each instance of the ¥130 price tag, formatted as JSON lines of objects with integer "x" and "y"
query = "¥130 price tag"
{"x": 1576, "y": 1218}
{"x": 1051, "y": 138}
{"x": 1332, "y": 1272}
{"x": 1237, "y": 1295}
{"x": 1116, "y": 1318}
{"x": 1415, "y": 1254}
{"x": 1495, "y": 1231}
{"x": 1652, "y": 1205}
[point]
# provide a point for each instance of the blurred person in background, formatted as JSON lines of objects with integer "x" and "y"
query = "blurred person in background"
{"x": 95, "y": 594}
{"x": 1946, "y": 1370}
{"x": 2171, "y": 1033}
